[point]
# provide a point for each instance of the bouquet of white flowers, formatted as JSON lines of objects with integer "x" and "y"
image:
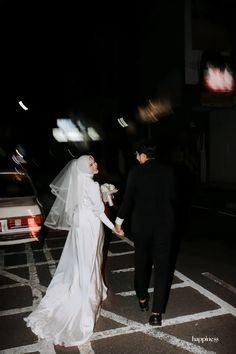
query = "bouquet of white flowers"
{"x": 107, "y": 191}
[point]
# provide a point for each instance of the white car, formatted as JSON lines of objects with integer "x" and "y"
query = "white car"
{"x": 21, "y": 213}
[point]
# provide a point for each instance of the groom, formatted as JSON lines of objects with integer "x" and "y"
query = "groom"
{"x": 150, "y": 198}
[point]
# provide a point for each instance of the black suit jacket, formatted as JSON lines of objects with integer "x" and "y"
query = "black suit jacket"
{"x": 150, "y": 198}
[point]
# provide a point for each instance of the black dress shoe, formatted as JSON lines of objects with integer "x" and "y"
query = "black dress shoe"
{"x": 144, "y": 306}
{"x": 155, "y": 319}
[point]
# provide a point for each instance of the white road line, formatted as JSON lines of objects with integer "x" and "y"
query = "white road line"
{"x": 150, "y": 290}
{"x": 22, "y": 281}
{"x": 123, "y": 270}
{"x": 9, "y": 286}
{"x": 116, "y": 332}
{"x": 212, "y": 297}
{"x": 130, "y": 326}
{"x": 118, "y": 318}
{"x": 30, "y": 264}
{"x": 134, "y": 326}
{"x": 15, "y": 311}
{"x": 50, "y": 260}
{"x": 192, "y": 348}
{"x": 13, "y": 253}
{"x": 110, "y": 254}
{"x": 228, "y": 214}
{"x": 33, "y": 276}
{"x": 220, "y": 282}
{"x": 128, "y": 241}
{"x": 177, "y": 342}
{"x": 42, "y": 347}
{"x": 193, "y": 317}
{"x": 119, "y": 241}
{"x": 36, "y": 251}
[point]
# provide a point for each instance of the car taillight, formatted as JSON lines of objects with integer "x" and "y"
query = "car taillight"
{"x": 13, "y": 223}
{"x": 38, "y": 219}
{"x": 25, "y": 221}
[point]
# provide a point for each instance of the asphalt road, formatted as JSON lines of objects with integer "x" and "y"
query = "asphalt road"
{"x": 201, "y": 313}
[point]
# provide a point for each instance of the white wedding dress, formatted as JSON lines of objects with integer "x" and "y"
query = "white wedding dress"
{"x": 68, "y": 312}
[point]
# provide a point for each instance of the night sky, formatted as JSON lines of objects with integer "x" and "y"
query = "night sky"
{"x": 83, "y": 59}
{"x": 73, "y": 55}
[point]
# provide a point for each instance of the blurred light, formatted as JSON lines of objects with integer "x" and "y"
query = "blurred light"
{"x": 93, "y": 134}
{"x": 81, "y": 125}
{"x": 65, "y": 124}
{"x": 155, "y": 110}
{"x": 14, "y": 158}
{"x": 219, "y": 80}
{"x": 74, "y": 135}
{"x": 59, "y": 135}
{"x": 67, "y": 131}
{"x": 23, "y": 106}
{"x": 122, "y": 122}
{"x": 33, "y": 226}
{"x": 19, "y": 153}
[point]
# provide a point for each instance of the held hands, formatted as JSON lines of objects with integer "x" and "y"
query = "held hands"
{"x": 118, "y": 231}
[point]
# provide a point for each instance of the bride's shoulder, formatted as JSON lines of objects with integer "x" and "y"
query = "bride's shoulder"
{"x": 93, "y": 184}
{"x": 93, "y": 188}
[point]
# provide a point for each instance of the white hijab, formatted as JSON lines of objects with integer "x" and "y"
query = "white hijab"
{"x": 69, "y": 187}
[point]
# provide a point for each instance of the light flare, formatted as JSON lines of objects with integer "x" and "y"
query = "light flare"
{"x": 219, "y": 80}
{"x": 122, "y": 122}
{"x": 154, "y": 110}
{"x": 23, "y": 106}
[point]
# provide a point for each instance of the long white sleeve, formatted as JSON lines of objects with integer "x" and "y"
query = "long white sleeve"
{"x": 98, "y": 205}
{"x": 106, "y": 221}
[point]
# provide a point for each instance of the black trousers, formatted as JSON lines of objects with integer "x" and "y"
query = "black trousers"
{"x": 155, "y": 250}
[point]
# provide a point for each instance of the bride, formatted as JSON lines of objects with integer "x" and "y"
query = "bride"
{"x": 68, "y": 312}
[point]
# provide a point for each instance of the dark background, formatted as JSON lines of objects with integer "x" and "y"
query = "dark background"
{"x": 98, "y": 62}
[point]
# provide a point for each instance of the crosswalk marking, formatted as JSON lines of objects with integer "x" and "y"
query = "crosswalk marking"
{"x": 220, "y": 282}
{"x": 133, "y": 326}
{"x": 212, "y": 297}
{"x": 110, "y": 254}
{"x": 128, "y": 326}
{"x": 50, "y": 260}
{"x": 150, "y": 290}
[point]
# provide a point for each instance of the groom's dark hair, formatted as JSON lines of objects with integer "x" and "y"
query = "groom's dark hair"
{"x": 148, "y": 148}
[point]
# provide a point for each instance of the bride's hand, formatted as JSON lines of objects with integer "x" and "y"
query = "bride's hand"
{"x": 118, "y": 231}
